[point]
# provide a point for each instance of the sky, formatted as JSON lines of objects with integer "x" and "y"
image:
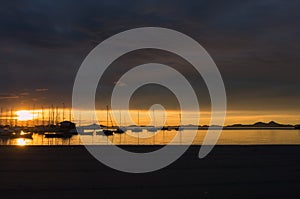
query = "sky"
{"x": 254, "y": 43}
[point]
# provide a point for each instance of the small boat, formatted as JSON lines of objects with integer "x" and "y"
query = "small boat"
{"x": 151, "y": 129}
{"x": 27, "y": 135}
{"x": 176, "y": 128}
{"x": 57, "y": 135}
{"x": 297, "y": 126}
{"x": 6, "y": 131}
{"x": 170, "y": 128}
{"x": 5, "y": 134}
{"x": 137, "y": 129}
{"x": 100, "y": 133}
{"x": 86, "y": 132}
{"x": 118, "y": 131}
{"x": 67, "y": 127}
{"x": 108, "y": 132}
{"x": 164, "y": 128}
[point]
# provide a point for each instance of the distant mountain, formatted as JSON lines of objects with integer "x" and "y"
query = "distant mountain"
{"x": 271, "y": 124}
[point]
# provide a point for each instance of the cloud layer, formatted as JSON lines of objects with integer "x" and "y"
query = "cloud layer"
{"x": 254, "y": 43}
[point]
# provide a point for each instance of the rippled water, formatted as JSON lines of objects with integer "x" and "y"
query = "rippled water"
{"x": 228, "y": 137}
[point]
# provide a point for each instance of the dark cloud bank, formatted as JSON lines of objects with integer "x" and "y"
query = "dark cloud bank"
{"x": 255, "y": 44}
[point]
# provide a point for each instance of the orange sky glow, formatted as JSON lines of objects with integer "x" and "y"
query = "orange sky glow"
{"x": 22, "y": 117}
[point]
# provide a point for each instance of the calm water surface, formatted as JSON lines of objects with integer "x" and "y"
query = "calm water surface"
{"x": 228, "y": 137}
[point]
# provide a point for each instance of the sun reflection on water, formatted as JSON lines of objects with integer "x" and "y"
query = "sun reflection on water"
{"x": 21, "y": 142}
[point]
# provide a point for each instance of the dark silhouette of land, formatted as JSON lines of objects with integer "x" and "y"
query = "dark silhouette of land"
{"x": 227, "y": 172}
{"x": 257, "y": 125}
{"x": 271, "y": 124}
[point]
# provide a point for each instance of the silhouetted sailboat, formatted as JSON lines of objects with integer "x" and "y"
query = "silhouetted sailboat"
{"x": 137, "y": 128}
{"x": 170, "y": 128}
{"x": 121, "y": 129}
{"x": 107, "y": 131}
{"x": 153, "y": 127}
{"x": 64, "y": 129}
{"x": 6, "y": 130}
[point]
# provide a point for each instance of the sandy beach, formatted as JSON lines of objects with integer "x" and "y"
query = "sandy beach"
{"x": 228, "y": 172}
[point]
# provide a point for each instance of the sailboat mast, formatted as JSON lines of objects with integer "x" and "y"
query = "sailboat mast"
{"x": 138, "y": 118}
{"x": 33, "y": 118}
{"x": 52, "y": 107}
{"x": 11, "y": 117}
{"x": 43, "y": 116}
{"x": 154, "y": 121}
{"x": 120, "y": 118}
{"x": 6, "y": 117}
{"x": 37, "y": 118}
{"x": 106, "y": 116}
{"x": 79, "y": 118}
{"x": 49, "y": 116}
{"x": 180, "y": 119}
{"x": 1, "y": 117}
{"x": 63, "y": 111}
{"x": 56, "y": 115}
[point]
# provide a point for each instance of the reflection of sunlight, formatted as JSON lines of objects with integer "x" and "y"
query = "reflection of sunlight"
{"x": 24, "y": 115}
{"x": 21, "y": 142}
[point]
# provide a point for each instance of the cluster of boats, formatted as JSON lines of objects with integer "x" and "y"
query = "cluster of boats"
{"x": 12, "y": 132}
{"x": 63, "y": 129}
{"x": 107, "y": 131}
{"x": 67, "y": 129}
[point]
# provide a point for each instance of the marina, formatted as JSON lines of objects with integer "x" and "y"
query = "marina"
{"x": 53, "y": 128}
{"x": 160, "y": 137}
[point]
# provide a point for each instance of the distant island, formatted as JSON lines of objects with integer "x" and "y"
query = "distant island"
{"x": 257, "y": 125}
{"x": 271, "y": 124}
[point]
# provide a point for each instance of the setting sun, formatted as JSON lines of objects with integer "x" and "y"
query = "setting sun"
{"x": 24, "y": 115}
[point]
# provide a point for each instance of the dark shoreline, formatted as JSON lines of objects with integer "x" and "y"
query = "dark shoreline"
{"x": 229, "y": 171}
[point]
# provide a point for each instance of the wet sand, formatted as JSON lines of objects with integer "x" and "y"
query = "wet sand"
{"x": 227, "y": 172}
